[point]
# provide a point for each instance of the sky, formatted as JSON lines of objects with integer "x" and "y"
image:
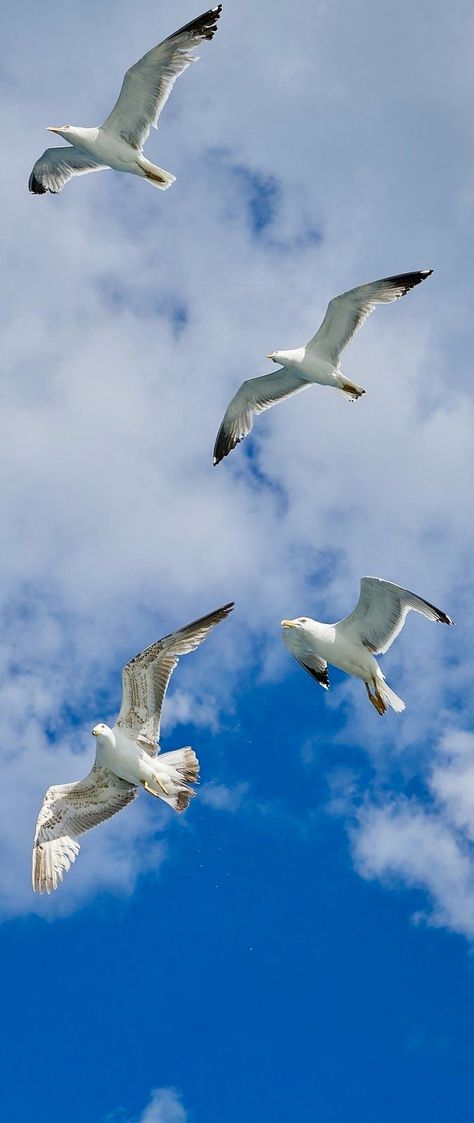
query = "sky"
{"x": 298, "y": 945}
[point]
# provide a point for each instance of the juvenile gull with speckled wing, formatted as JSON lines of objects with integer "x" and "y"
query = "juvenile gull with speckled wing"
{"x": 118, "y": 143}
{"x": 316, "y": 362}
{"x": 126, "y": 758}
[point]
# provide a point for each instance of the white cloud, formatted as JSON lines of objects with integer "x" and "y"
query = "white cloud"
{"x": 428, "y": 845}
{"x": 130, "y": 319}
{"x": 165, "y": 1107}
{"x": 223, "y": 798}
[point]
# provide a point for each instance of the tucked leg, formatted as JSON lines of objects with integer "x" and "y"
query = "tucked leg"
{"x": 152, "y": 790}
{"x": 376, "y": 700}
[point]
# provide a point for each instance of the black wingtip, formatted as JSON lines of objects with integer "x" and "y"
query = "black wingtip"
{"x": 221, "y": 449}
{"x": 320, "y": 676}
{"x": 224, "y": 444}
{"x": 226, "y": 608}
{"x": 407, "y": 281}
{"x": 443, "y": 618}
{"x": 35, "y": 186}
{"x": 204, "y": 26}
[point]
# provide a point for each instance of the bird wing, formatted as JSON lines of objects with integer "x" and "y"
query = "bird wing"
{"x": 67, "y": 811}
{"x": 254, "y": 396}
{"x": 346, "y": 313}
{"x": 145, "y": 678}
{"x": 315, "y": 666}
{"x": 381, "y": 611}
{"x": 148, "y": 83}
{"x": 57, "y": 165}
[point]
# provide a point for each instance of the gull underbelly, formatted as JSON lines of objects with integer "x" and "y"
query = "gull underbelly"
{"x": 125, "y": 759}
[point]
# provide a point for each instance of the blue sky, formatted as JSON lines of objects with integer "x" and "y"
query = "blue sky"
{"x": 298, "y": 945}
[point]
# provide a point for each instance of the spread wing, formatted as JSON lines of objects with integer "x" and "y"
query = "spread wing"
{"x": 57, "y": 165}
{"x": 347, "y": 312}
{"x": 254, "y": 396}
{"x": 148, "y": 83}
{"x": 381, "y": 612}
{"x": 67, "y": 811}
{"x": 145, "y": 679}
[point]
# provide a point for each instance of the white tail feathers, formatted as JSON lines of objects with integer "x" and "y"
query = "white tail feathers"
{"x": 173, "y": 773}
{"x": 349, "y": 388}
{"x": 388, "y": 696}
{"x": 155, "y": 175}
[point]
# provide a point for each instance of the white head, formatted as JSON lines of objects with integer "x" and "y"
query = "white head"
{"x": 295, "y": 632}
{"x": 104, "y": 733}
{"x": 68, "y": 132}
{"x": 274, "y": 356}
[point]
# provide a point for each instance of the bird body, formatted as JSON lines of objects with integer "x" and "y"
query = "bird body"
{"x": 317, "y": 362}
{"x": 306, "y": 363}
{"x": 107, "y": 149}
{"x": 121, "y": 755}
{"x": 352, "y": 643}
{"x": 339, "y": 650}
{"x": 118, "y": 142}
{"x": 126, "y": 758}
{"x": 161, "y": 775}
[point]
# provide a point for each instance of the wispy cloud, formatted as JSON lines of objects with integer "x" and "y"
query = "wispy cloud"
{"x": 223, "y": 798}
{"x": 165, "y": 1106}
{"x": 427, "y": 844}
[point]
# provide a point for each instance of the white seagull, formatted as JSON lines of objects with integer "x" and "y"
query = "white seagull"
{"x": 351, "y": 644}
{"x": 118, "y": 143}
{"x": 318, "y": 361}
{"x": 126, "y": 758}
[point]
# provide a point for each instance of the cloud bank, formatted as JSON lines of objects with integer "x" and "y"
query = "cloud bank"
{"x": 129, "y": 319}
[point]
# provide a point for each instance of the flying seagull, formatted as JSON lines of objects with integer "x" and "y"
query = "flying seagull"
{"x": 118, "y": 143}
{"x": 126, "y": 758}
{"x": 351, "y": 644}
{"x": 318, "y": 361}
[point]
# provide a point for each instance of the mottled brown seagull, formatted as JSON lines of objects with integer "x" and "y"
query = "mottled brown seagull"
{"x": 126, "y": 758}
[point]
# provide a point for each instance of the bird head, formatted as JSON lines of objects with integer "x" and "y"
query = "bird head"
{"x": 64, "y": 130}
{"x": 102, "y": 730}
{"x": 295, "y": 633}
{"x": 274, "y": 356}
{"x": 300, "y": 623}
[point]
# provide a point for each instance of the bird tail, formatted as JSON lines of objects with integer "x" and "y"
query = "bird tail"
{"x": 349, "y": 388}
{"x": 174, "y": 772}
{"x": 388, "y": 696}
{"x": 155, "y": 175}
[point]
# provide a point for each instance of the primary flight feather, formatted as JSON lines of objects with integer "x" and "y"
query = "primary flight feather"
{"x": 317, "y": 362}
{"x": 126, "y": 758}
{"x": 118, "y": 143}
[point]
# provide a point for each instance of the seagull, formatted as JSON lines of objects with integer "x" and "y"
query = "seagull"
{"x": 318, "y": 361}
{"x": 118, "y": 143}
{"x": 126, "y": 758}
{"x": 369, "y": 630}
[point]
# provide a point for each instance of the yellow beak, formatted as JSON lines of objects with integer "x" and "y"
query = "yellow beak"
{"x": 52, "y": 129}
{"x": 288, "y": 624}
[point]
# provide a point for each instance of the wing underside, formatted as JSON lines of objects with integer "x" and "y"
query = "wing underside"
{"x": 148, "y": 83}
{"x": 145, "y": 678}
{"x": 68, "y": 810}
{"x": 381, "y": 611}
